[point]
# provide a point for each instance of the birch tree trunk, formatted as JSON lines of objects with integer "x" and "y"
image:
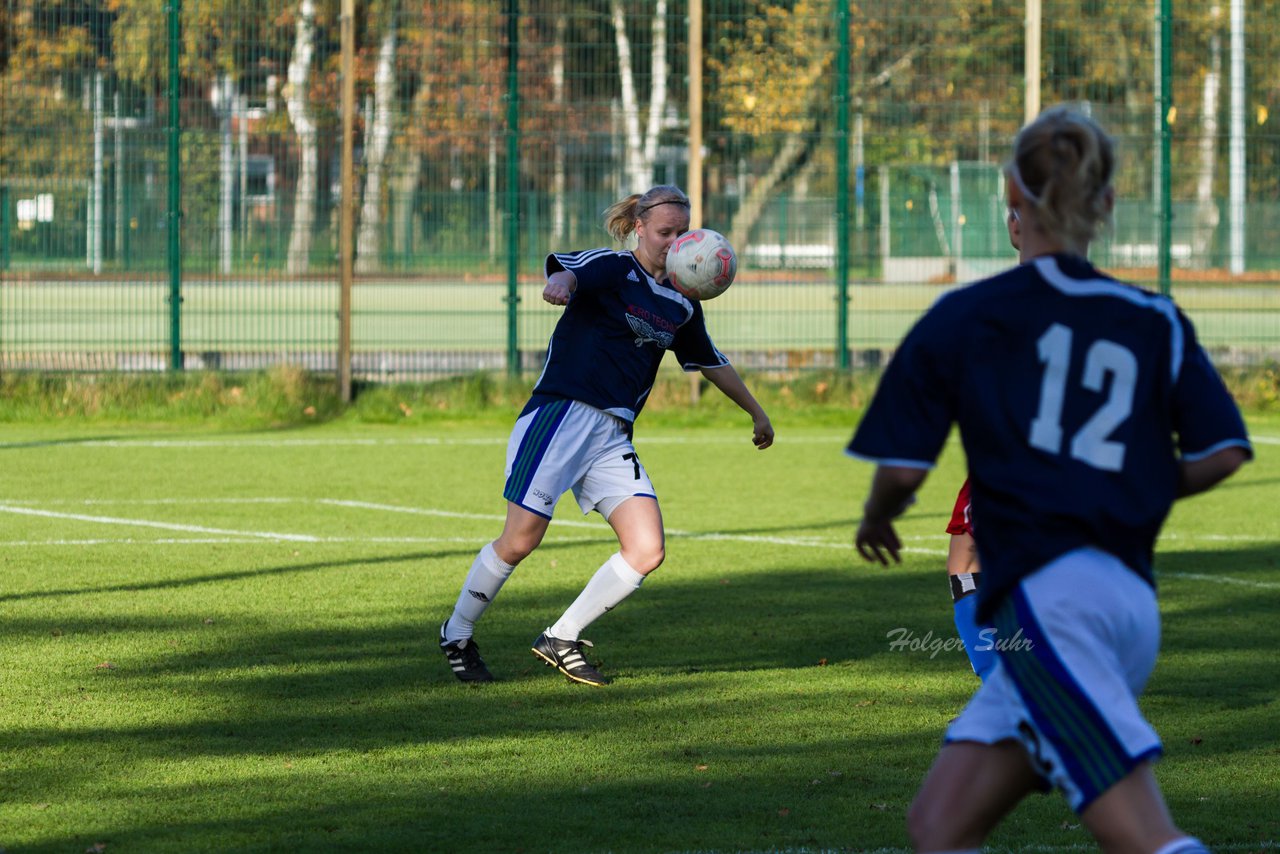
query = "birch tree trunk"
{"x": 558, "y": 230}
{"x": 1206, "y": 221}
{"x": 407, "y": 175}
{"x": 304, "y": 203}
{"x": 641, "y": 151}
{"x": 384, "y": 85}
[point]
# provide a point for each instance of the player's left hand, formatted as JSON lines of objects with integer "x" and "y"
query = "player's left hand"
{"x": 876, "y": 538}
{"x": 762, "y": 433}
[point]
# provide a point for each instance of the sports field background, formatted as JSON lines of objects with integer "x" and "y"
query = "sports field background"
{"x": 224, "y": 640}
{"x": 412, "y": 328}
{"x": 174, "y": 178}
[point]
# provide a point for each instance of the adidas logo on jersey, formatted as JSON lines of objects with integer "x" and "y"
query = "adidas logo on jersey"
{"x": 632, "y": 277}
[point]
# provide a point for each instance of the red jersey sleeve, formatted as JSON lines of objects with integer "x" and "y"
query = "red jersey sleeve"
{"x": 961, "y": 522}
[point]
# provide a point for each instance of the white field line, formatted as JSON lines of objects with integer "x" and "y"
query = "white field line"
{"x": 1219, "y": 579}
{"x": 282, "y": 443}
{"x": 727, "y": 437}
{"x": 241, "y": 537}
{"x": 167, "y": 526}
{"x": 11, "y": 507}
{"x": 204, "y": 541}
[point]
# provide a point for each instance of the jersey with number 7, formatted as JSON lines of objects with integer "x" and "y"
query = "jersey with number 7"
{"x": 1075, "y": 394}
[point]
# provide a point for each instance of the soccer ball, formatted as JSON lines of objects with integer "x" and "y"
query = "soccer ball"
{"x": 701, "y": 264}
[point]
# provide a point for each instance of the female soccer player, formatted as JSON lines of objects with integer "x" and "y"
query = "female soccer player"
{"x": 621, "y": 316}
{"x": 1088, "y": 408}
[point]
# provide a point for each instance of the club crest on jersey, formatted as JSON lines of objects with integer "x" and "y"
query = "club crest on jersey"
{"x": 645, "y": 332}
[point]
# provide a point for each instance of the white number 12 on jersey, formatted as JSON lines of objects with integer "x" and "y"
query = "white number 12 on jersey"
{"x": 1090, "y": 444}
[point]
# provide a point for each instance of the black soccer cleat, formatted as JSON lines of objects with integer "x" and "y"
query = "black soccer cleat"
{"x": 464, "y": 658}
{"x": 566, "y": 656}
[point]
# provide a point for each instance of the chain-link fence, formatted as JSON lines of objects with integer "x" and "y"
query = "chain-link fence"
{"x": 171, "y": 186}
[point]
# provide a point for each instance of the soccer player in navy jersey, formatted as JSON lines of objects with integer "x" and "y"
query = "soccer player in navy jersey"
{"x": 621, "y": 316}
{"x": 1086, "y": 407}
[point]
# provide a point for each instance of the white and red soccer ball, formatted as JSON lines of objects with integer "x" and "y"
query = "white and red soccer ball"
{"x": 701, "y": 264}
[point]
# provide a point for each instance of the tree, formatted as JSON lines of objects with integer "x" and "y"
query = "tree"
{"x": 298, "y": 103}
{"x": 377, "y": 142}
{"x": 641, "y": 150}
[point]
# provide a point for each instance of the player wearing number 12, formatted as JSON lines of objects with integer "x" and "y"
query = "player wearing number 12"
{"x": 1085, "y": 407}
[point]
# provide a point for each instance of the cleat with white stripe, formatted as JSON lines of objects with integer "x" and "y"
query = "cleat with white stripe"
{"x": 566, "y": 656}
{"x": 464, "y": 658}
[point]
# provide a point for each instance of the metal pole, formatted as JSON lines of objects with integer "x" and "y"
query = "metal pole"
{"x": 96, "y": 201}
{"x": 243, "y": 119}
{"x": 1164, "y": 243}
{"x": 118, "y": 165}
{"x": 226, "y": 178}
{"x": 695, "y": 115}
{"x": 174, "y": 214}
{"x": 5, "y": 225}
{"x": 347, "y": 211}
{"x": 1236, "y": 156}
{"x": 957, "y": 222}
{"x": 1031, "y": 59}
{"x": 842, "y": 187}
{"x": 513, "y": 185}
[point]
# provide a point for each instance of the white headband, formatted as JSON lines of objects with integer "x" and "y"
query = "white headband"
{"x": 1012, "y": 172}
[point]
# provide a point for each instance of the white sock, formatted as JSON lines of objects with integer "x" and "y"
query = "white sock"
{"x": 488, "y": 573}
{"x": 1185, "y": 845}
{"x": 614, "y": 581}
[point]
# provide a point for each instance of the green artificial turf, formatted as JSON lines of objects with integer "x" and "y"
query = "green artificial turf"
{"x": 217, "y": 640}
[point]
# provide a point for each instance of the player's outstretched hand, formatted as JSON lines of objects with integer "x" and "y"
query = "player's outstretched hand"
{"x": 762, "y": 433}
{"x": 875, "y": 539}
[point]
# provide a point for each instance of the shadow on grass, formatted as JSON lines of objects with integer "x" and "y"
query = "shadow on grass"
{"x": 724, "y": 730}
{"x": 220, "y": 577}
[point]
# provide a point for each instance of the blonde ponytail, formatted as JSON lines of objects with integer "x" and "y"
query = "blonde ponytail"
{"x": 1063, "y": 163}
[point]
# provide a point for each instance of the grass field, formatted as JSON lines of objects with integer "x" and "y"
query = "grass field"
{"x": 218, "y": 640}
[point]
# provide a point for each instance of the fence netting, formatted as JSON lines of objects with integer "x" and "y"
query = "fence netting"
{"x": 171, "y": 194}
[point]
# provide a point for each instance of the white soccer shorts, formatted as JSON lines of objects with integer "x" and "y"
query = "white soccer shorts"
{"x": 566, "y": 444}
{"x": 1076, "y": 643}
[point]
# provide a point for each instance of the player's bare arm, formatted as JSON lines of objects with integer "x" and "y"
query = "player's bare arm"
{"x": 1199, "y": 475}
{"x": 893, "y": 490}
{"x": 560, "y": 287}
{"x": 725, "y": 378}
{"x": 962, "y": 555}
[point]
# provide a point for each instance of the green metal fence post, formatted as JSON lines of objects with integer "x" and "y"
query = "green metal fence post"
{"x": 842, "y": 186}
{"x": 5, "y": 225}
{"x": 1164, "y": 248}
{"x": 174, "y": 216}
{"x": 513, "y": 188}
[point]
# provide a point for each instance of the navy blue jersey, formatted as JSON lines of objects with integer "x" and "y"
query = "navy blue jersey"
{"x": 1075, "y": 396}
{"x": 607, "y": 345}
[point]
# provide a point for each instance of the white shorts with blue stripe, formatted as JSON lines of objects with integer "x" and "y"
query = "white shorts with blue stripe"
{"x": 566, "y": 444}
{"x": 1076, "y": 642}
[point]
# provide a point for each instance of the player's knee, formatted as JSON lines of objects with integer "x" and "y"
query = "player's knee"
{"x": 513, "y": 548}
{"x": 645, "y": 558}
